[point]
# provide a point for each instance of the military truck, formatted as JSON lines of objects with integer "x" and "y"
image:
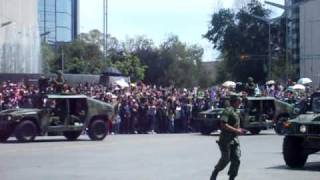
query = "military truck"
{"x": 302, "y": 135}
{"x": 67, "y": 115}
{"x": 257, "y": 113}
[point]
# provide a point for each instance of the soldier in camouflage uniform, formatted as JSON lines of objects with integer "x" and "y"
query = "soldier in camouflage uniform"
{"x": 59, "y": 82}
{"x": 228, "y": 142}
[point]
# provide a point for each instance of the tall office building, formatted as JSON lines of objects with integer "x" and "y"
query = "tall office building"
{"x": 309, "y": 25}
{"x": 293, "y": 30}
{"x": 58, "y": 20}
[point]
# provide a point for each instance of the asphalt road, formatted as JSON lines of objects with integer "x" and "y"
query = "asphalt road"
{"x": 146, "y": 157}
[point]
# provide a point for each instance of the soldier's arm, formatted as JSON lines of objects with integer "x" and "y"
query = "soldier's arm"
{"x": 231, "y": 129}
{"x": 225, "y": 126}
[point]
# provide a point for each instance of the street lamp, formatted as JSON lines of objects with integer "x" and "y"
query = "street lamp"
{"x": 105, "y": 26}
{"x": 45, "y": 33}
{"x": 6, "y": 23}
{"x": 268, "y": 21}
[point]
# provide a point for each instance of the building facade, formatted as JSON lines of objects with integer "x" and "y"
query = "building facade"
{"x": 293, "y": 29}
{"x": 58, "y": 20}
{"x": 309, "y": 54}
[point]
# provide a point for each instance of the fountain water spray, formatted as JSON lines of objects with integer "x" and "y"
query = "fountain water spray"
{"x": 19, "y": 40}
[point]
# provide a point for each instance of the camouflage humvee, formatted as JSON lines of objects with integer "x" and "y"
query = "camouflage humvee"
{"x": 257, "y": 113}
{"x": 69, "y": 115}
{"x": 302, "y": 135}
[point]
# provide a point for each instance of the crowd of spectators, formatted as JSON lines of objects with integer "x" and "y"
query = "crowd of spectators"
{"x": 142, "y": 108}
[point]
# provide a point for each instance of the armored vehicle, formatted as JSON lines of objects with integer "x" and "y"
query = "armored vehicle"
{"x": 257, "y": 113}
{"x": 67, "y": 115}
{"x": 302, "y": 135}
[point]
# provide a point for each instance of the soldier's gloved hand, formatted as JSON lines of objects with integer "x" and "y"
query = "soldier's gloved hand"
{"x": 241, "y": 131}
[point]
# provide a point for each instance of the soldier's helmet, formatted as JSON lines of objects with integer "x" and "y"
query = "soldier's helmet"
{"x": 59, "y": 72}
{"x": 234, "y": 97}
{"x": 250, "y": 79}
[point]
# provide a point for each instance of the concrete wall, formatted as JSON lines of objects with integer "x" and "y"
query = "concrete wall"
{"x": 310, "y": 41}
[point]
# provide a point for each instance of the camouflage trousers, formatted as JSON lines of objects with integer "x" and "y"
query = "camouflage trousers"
{"x": 229, "y": 153}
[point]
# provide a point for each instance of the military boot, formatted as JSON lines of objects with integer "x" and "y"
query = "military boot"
{"x": 232, "y": 178}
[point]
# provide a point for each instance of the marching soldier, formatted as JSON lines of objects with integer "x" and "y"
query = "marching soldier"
{"x": 228, "y": 141}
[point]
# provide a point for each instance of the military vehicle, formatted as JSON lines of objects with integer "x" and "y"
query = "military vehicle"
{"x": 67, "y": 115}
{"x": 302, "y": 135}
{"x": 257, "y": 113}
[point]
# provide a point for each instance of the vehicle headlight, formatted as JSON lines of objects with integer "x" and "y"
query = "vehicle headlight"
{"x": 205, "y": 116}
{"x": 218, "y": 116}
{"x": 9, "y": 118}
{"x": 303, "y": 129}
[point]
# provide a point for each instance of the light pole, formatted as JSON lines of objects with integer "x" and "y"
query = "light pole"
{"x": 268, "y": 21}
{"x": 6, "y": 23}
{"x": 44, "y": 35}
{"x": 105, "y": 26}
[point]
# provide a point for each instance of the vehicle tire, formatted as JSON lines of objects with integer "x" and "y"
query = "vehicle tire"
{"x": 97, "y": 130}
{"x": 26, "y": 131}
{"x": 4, "y": 135}
{"x": 255, "y": 131}
{"x": 293, "y": 153}
{"x": 278, "y": 128}
{"x": 72, "y": 135}
{"x": 205, "y": 130}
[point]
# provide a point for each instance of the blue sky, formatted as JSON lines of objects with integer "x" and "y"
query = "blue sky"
{"x": 156, "y": 19}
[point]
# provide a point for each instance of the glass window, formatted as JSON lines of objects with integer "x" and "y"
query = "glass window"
{"x": 55, "y": 16}
{"x": 63, "y": 34}
{"x": 64, "y": 20}
{"x": 64, "y": 6}
{"x": 50, "y": 4}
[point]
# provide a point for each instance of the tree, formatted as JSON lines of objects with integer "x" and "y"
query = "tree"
{"x": 242, "y": 41}
{"x": 48, "y": 58}
{"x": 130, "y": 66}
{"x": 180, "y": 63}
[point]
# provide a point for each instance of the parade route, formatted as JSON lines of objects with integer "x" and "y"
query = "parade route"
{"x": 146, "y": 157}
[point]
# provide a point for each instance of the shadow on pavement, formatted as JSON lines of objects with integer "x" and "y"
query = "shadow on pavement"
{"x": 13, "y": 141}
{"x": 312, "y": 166}
{"x": 248, "y": 134}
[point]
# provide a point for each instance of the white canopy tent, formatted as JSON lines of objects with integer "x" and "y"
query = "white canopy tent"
{"x": 122, "y": 83}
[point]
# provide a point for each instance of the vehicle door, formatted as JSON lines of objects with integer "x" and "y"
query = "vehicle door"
{"x": 251, "y": 109}
{"x": 59, "y": 111}
{"x": 268, "y": 110}
{"x": 45, "y": 114}
{"x": 78, "y": 108}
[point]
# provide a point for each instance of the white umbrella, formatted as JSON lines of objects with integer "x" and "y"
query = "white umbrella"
{"x": 229, "y": 84}
{"x": 270, "y": 82}
{"x": 299, "y": 87}
{"x": 304, "y": 81}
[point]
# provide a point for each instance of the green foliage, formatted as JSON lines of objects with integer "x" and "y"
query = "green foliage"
{"x": 167, "y": 64}
{"x": 48, "y": 58}
{"x": 171, "y": 63}
{"x": 238, "y": 35}
{"x": 130, "y": 66}
{"x": 181, "y": 63}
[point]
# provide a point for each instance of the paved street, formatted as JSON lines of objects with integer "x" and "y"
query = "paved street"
{"x": 146, "y": 157}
